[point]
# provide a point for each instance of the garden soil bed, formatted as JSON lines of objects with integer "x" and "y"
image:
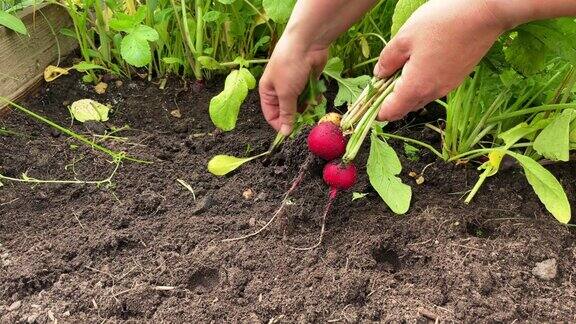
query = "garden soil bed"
{"x": 144, "y": 250}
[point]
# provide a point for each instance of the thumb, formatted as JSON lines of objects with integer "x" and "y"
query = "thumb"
{"x": 287, "y": 114}
{"x": 392, "y": 58}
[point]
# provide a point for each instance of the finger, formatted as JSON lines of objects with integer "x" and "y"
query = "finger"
{"x": 411, "y": 92}
{"x": 393, "y": 57}
{"x": 287, "y": 113}
{"x": 270, "y": 104}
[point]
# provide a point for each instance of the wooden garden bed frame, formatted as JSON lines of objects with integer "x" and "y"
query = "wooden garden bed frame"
{"x": 24, "y": 58}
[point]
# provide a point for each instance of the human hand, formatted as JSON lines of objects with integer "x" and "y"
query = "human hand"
{"x": 285, "y": 78}
{"x": 438, "y": 47}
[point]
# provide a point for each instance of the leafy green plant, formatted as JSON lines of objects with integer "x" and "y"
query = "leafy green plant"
{"x": 519, "y": 103}
{"x": 134, "y": 43}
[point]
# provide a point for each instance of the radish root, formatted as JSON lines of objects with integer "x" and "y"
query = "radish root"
{"x": 327, "y": 209}
{"x": 295, "y": 184}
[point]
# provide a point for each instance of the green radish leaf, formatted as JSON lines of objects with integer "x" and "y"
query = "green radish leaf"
{"x": 546, "y": 186}
{"x": 84, "y": 110}
{"x": 348, "y": 89}
{"x": 86, "y": 66}
{"x": 226, "y": 1}
{"x": 145, "y": 32}
{"x": 518, "y": 132}
{"x": 249, "y": 78}
{"x": 12, "y": 22}
{"x": 382, "y": 167}
{"x": 209, "y": 63}
{"x": 404, "y": 9}
{"x": 526, "y": 53}
{"x": 224, "y": 107}
{"x": 122, "y": 22}
{"x": 278, "y": 11}
{"x": 211, "y": 16}
{"x": 554, "y": 140}
{"x": 223, "y": 164}
{"x": 135, "y": 50}
{"x": 556, "y": 35}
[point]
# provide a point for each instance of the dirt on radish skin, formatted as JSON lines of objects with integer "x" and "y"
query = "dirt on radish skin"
{"x": 327, "y": 141}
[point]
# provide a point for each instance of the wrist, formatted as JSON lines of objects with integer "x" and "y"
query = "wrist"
{"x": 509, "y": 13}
{"x": 300, "y": 40}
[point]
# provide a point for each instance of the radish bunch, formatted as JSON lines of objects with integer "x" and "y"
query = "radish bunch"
{"x": 326, "y": 141}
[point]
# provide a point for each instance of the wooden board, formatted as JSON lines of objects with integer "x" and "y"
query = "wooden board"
{"x": 23, "y": 58}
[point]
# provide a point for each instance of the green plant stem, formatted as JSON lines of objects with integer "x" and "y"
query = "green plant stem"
{"x": 533, "y": 110}
{"x": 199, "y": 37}
{"x": 115, "y": 155}
{"x": 484, "y": 151}
{"x": 365, "y": 123}
{"x": 254, "y": 61}
{"x": 27, "y": 179}
{"x": 483, "y": 176}
{"x": 413, "y": 141}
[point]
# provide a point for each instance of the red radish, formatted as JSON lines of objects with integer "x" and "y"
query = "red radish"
{"x": 339, "y": 176}
{"x": 326, "y": 141}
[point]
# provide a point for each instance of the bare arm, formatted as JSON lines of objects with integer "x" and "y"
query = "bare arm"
{"x": 516, "y": 12}
{"x": 444, "y": 40}
{"x": 302, "y": 50}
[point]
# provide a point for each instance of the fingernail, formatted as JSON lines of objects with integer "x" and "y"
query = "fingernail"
{"x": 285, "y": 130}
{"x": 377, "y": 69}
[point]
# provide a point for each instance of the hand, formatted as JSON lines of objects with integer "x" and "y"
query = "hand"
{"x": 285, "y": 78}
{"x": 438, "y": 47}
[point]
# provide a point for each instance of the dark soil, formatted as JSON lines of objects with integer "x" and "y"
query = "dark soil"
{"x": 143, "y": 250}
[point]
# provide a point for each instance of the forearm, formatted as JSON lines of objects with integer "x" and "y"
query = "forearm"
{"x": 317, "y": 23}
{"x": 516, "y": 12}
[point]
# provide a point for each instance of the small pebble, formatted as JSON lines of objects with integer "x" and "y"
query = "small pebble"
{"x": 248, "y": 194}
{"x": 101, "y": 87}
{"x": 202, "y": 205}
{"x": 252, "y": 222}
{"x": 546, "y": 270}
{"x": 15, "y": 305}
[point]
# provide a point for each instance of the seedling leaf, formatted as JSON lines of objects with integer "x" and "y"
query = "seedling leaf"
{"x": 546, "y": 186}
{"x": 223, "y": 164}
{"x": 224, "y": 107}
{"x": 86, "y": 66}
